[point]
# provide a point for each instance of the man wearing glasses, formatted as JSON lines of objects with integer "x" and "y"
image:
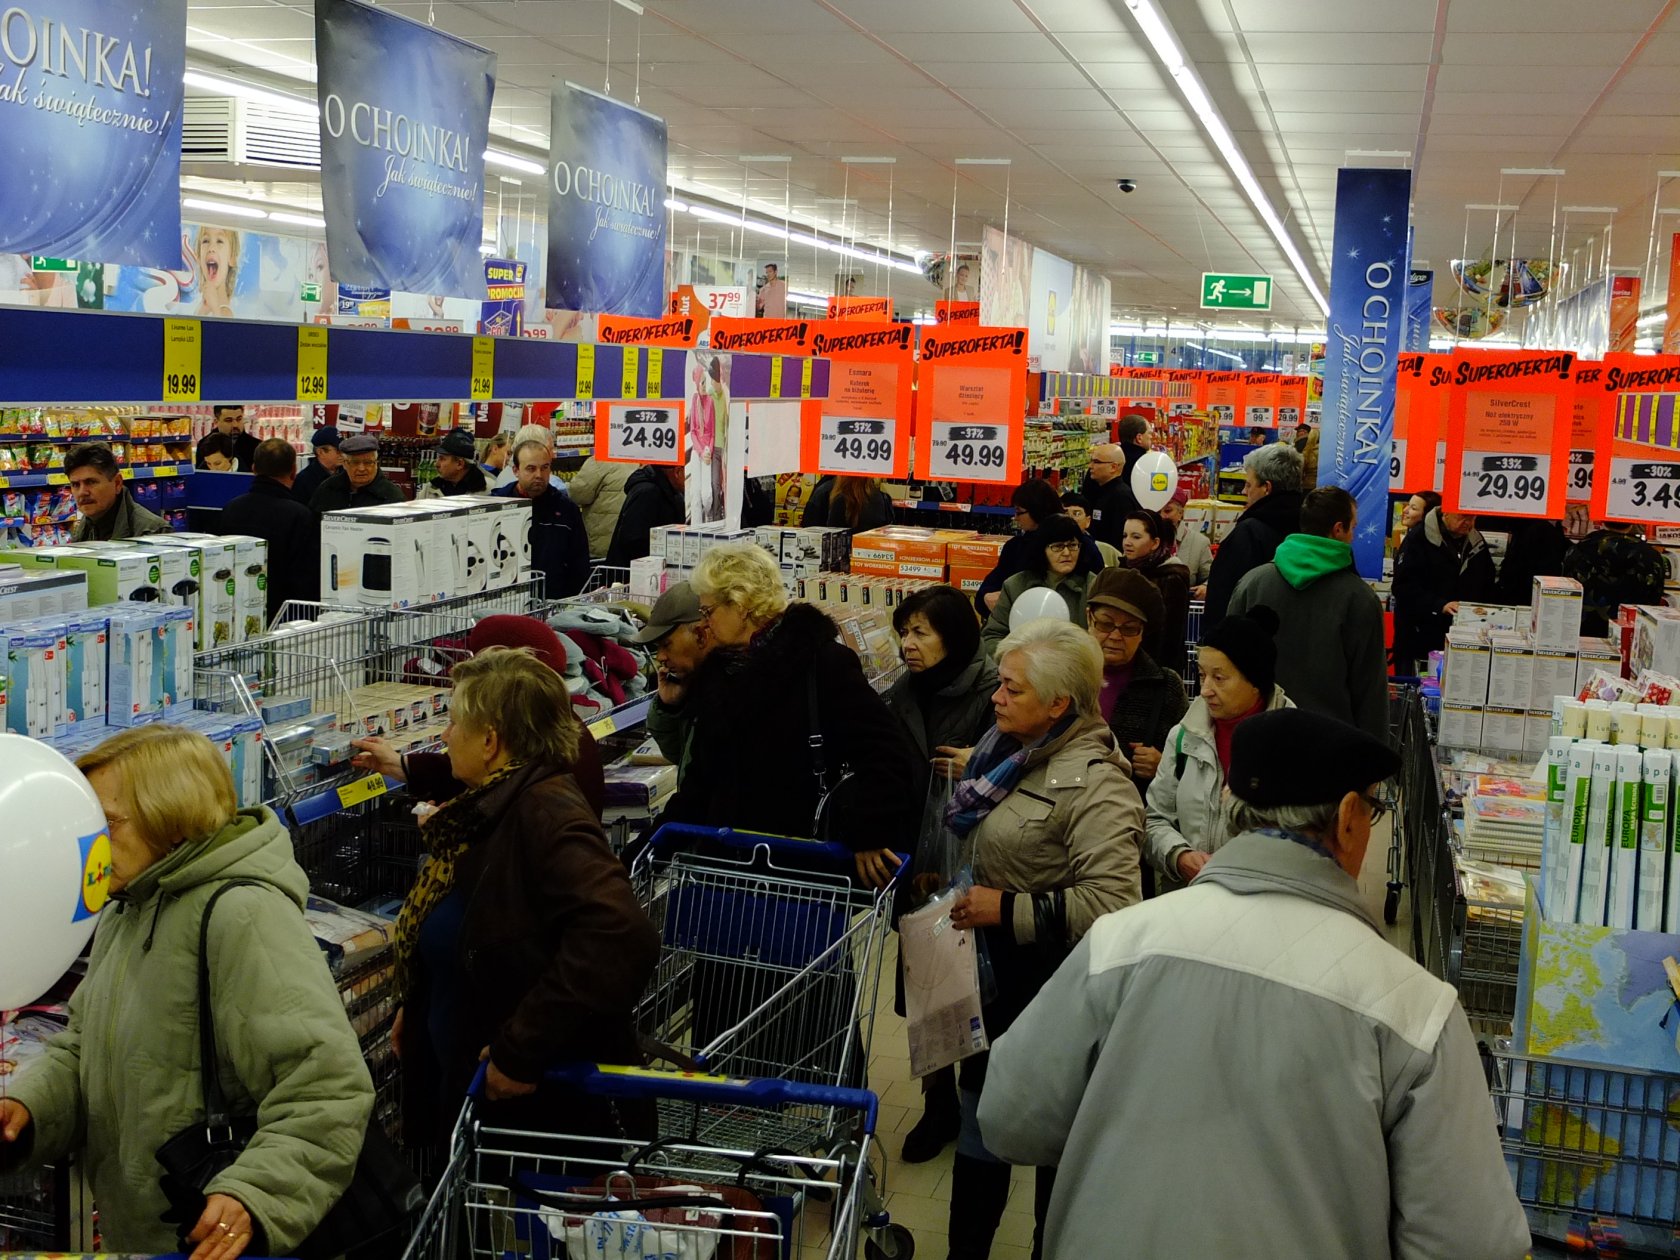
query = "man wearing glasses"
{"x": 1262, "y": 1000}
{"x": 1108, "y": 486}
{"x": 358, "y": 483}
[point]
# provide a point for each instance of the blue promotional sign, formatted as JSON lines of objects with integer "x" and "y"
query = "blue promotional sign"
{"x": 606, "y": 206}
{"x": 1419, "y": 289}
{"x": 1368, "y": 290}
{"x": 90, "y": 130}
{"x": 405, "y": 118}
{"x": 503, "y": 311}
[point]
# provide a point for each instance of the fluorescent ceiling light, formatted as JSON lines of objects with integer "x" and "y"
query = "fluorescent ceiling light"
{"x": 681, "y": 207}
{"x": 487, "y": 250}
{"x": 302, "y": 220}
{"x": 246, "y": 92}
{"x": 1166, "y": 47}
{"x": 496, "y": 157}
{"x": 223, "y": 207}
{"x": 808, "y": 297}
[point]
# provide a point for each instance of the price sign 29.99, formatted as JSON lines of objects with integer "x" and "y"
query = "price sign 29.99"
{"x": 640, "y": 433}
{"x": 968, "y": 452}
{"x": 1499, "y": 483}
{"x": 862, "y": 447}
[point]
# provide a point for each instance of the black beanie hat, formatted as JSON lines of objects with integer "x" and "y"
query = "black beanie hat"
{"x": 1248, "y": 639}
{"x": 1293, "y": 757}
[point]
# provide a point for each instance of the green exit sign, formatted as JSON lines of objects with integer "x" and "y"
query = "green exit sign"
{"x": 1147, "y": 358}
{"x": 1236, "y": 293}
{"x": 38, "y": 263}
{"x": 311, "y": 293}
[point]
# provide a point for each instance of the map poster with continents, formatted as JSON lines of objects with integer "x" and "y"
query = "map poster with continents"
{"x": 405, "y": 118}
{"x": 1509, "y": 416}
{"x": 90, "y": 130}
{"x": 606, "y": 206}
{"x": 1637, "y": 461}
{"x": 863, "y": 427}
{"x": 971, "y": 405}
{"x": 1368, "y": 279}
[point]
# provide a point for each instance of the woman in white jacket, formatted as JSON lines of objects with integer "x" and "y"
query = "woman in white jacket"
{"x": 1188, "y": 821}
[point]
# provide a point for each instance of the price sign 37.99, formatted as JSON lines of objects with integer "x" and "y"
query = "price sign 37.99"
{"x": 1496, "y": 484}
{"x": 643, "y": 433}
{"x": 968, "y": 452}
{"x": 857, "y": 446}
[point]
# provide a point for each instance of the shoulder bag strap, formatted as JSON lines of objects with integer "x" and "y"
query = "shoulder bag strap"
{"x": 819, "y": 764}
{"x": 1182, "y": 758}
{"x": 215, "y": 1102}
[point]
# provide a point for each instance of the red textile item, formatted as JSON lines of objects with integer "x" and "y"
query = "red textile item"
{"x": 1224, "y": 729}
{"x": 507, "y": 630}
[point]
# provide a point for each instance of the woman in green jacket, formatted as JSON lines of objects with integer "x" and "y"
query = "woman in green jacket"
{"x": 124, "y": 1077}
{"x": 1056, "y": 560}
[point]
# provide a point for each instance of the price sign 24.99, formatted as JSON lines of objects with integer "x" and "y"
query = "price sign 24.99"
{"x": 640, "y": 433}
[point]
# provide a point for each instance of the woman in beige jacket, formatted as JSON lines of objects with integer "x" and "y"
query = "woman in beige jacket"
{"x": 1056, "y": 828}
{"x": 598, "y": 490}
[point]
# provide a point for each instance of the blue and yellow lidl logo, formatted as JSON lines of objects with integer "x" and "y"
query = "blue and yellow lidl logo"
{"x": 1158, "y": 481}
{"x": 96, "y": 875}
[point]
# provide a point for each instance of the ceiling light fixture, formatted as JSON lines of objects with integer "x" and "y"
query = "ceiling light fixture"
{"x": 301, "y": 220}
{"x": 246, "y": 92}
{"x": 1167, "y": 49}
{"x": 498, "y": 157}
{"x": 223, "y": 207}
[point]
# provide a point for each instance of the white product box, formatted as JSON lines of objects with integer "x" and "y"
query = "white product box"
{"x": 1461, "y": 726}
{"x": 1555, "y": 613}
{"x": 695, "y": 540}
{"x": 248, "y": 760}
{"x": 131, "y": 675}
{"x": 32, "y": 668}
{"x": 1594, "y": 654}
{"x": 1538, "y": 734}
{"x": 1504, "y": 730}
{"x": 43, "y": 593}
{"x": 443, "y": 553}
{"x": 58, "y": 663}
{"x": 372, "y": 557}
{"x": 1554, "y": 675}
{"x": 114, "y": 573}
{"x": 218, "y": 584}
{"x": 1510, "y": 670}
{"x": 1656, "y": 640}
{"x": 1464, "y": 677}
{"x": 173, "y": 658}
{"x": 1490, "y": 617}
{"x": 250, "y": 586}
{"x": 647, "y": 577}
{"x": 84, "y": 667}
{"x": 473, "y": 533}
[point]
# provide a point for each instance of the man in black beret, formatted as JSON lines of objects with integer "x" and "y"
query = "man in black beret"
{"x": 1255, "y": 1043}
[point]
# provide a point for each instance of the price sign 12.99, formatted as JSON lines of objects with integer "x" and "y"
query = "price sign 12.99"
{"x": 859, "y": 446}
{"x": 968, "y": 452}
{"x": 1499, "y": 484}
{"x": 639, "y": 433}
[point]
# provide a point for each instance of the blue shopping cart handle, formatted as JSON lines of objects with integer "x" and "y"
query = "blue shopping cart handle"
{"x": 684, "y": 835}
{"x": 610, "y": 1081}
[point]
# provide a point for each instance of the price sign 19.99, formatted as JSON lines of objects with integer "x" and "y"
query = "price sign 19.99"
{"x": 968, "y": 452}
{"x": 1644, "y": 490}
{"x": 641, "y": 433}
{"x": 863, "y": 447}
{"x": 1498, "y": 483}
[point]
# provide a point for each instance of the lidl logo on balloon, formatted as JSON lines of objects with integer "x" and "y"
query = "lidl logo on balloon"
{"x": 1158, "y": 481}
{"x": 96, "y": 875}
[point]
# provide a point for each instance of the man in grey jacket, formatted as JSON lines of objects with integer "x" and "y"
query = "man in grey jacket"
{"x": 1247, "y": 1068}
{"x": 1331, "y": 655}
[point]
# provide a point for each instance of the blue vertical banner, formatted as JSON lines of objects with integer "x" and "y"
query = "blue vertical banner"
{"x": 1420, "y": 288}
{"x": 405, "y": 118}
{"x": 1369, "y": 280}
{"x": 90, "y": 130}
{"x": 606, "y": 206}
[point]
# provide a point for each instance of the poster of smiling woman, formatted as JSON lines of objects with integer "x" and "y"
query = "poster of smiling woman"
{"x": 90, "y": 129}
{"x": 405, "y": 118}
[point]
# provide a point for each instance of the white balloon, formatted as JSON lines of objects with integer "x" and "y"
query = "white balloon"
{"x": 1154, "y": 478}
{"x": 1038, "y": 602}
{"x": 55, "y": 867}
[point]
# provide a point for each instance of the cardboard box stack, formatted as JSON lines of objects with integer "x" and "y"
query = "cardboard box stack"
{"x": 972, "y": 559}
{"x": 406, "y": 555}
{"x": 911, "y": 551}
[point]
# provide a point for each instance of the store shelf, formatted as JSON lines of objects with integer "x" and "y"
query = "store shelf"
{"x": 36, "y": 481}
{"x": 939, "y": 505}
{"x": 1197, "y": 459}
{"x": 622, "y": 718}
{"x": 332, "y": 800}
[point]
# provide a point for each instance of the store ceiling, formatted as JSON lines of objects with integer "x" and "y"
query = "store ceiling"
{"x": 1070, "y": 92}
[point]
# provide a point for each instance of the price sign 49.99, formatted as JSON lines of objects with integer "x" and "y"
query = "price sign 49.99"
{"x": 640, "y": 433}
{"x": 859, "y": 446}
{"x": 1498, "y": 484}
{"x": 1642, "y": 490}
{"x": 968, "y": 452}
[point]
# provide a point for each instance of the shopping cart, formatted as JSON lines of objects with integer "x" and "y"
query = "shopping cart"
{"x": 1193, "y": 637}
{"x": 548, "y": 1196}
{"x": 1402, "y": 699}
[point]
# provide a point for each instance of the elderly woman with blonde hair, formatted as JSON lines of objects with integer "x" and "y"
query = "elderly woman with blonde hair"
{"x": 124, "y": 1077}
{"x": 1056, "y": 830}
{"x": 783, "y": 720}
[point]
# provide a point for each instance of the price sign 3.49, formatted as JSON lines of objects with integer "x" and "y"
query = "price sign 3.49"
{"x": 1641, "y": 490}
{"x": 1504, "y": 483}
{"x": 968, "y": 452}
{"x": 640, "y": 433}
{"x": 852, "y": 445}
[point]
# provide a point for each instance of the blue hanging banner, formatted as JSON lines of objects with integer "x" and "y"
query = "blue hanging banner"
{"x": 606, "y": 206}
{"x": 1419, "y": 289}
{"x": 90, "y": 130}
{"x": 405, "y": 118}
{"x": 1368, "y": 292}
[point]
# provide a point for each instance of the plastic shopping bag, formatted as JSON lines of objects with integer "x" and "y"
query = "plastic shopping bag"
{"x": 942, "y": 992}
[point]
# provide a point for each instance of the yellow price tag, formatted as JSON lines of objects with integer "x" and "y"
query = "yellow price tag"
{"x": 632, "y": 366}
{"x": 656, "y": 371}
{"x": 58, "y": 479}
{"x": 361, "y": 790}
{"x": 168, "y": 470}
{"x": 600, "y": 728}
{"x": 586, "y": 370}
{"x": 654, "y": 1074}
{"x": 483, "y": 385}
{"x": 5, "y": 483}
{"x": 312, "y": 363}
{"x": 805, "y": 370}
{"x": 775, "y": 376}
{"x": 183, "y": 360}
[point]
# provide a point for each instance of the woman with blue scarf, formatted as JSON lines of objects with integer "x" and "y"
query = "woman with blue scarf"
{"x": 1055, "y": 829}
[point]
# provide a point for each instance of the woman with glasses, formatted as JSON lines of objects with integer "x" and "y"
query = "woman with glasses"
{"x": 1188, "y": 821}
{"x": 1035, "y": 502}
{"x": 1140, "y": 700}
{"x": 1149, "y": 546}
{"x": 1055, "y": 558}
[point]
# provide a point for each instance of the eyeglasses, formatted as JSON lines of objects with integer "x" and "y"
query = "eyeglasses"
{"x": 706, "y": 611}
{"x": 1377, "y": 808}
{"x": 1064, "y": 548}
{"x": 1106, "y": 626}
{"x": 1111, "y": 462}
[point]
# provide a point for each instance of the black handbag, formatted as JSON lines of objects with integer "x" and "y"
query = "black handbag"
{"x": 383, "y": 1195}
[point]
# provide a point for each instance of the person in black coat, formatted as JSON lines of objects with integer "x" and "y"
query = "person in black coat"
{"x": 293, "y": 532}
{"x": 1035, "y": 503}
{"x": 359, "y": 483}
{"x": 559, "y": 541}
{"x": 327, "y": 461}
{"x": 653, "y": 495}
{"x": 1272, "y": 486}
{"x": 816, "y": 507}
{"x": 858, "y": 504}
{"x": 1536, "y": 549}
{"x": 230, "y": 424}
{"x": 457, "y": 465}
{"x": 1149, "y": 547}
{"x": 1441, "y": 562}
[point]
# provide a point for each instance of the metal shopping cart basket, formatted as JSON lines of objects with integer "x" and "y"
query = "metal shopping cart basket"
{"x": 549, "y": 1196}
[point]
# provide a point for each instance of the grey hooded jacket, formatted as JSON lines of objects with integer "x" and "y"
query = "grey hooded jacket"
{"x": 1248, "y": 1069}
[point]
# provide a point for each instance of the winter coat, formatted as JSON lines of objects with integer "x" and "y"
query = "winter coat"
{"x": 955, "y": 716}
{"x": 1110, "y": 502}
{"x": 1013, "y": 559}
{"x": 750, "y": 764}
{"x": 1065, "y": 842}
{"x": 1252, "y": 542}
{"x": 1536, "y": 549}
{"x": 309, "y": 480}
{"x": 877, "y": 511}
{"x": 559, "y": 544}
{"x": 124, "y": 1077}
{"x": 1330, "y": 653}
{"x": 553, "y": 953}
{"x": 1072, "y": 589}
{"x": 335, "y": 494}
{"x": 1166, "y": 641}
{"x": 649, "y": 499}
{"x": 1258, "y": 1024}
{"x": 293, "y": 532}
{"x": 1187, "y": 808}
{"x": 471, "y": 482}
{"x": 1309, "y": 461}
{"x": 126, "y": 519}
{"x": 244, "y": 450}
{"x": 816, "y": 507}
{"x": 599, "y": 490}
{"x": 431, "y": 779}
{"x": 1433, "y": 569}
{"x": 1152, "y": 704}
{"x": 1196, "y": 553}
{"x": 1613, "y": 569}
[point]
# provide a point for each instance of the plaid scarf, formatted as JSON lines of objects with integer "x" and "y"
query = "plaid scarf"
{"x": 445, "y": 835}
{"x": 994, "y": 768}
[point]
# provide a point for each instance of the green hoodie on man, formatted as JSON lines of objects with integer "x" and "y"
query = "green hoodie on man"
{"x": 124, "y": 1078}
{"x": 1331, "y": 654}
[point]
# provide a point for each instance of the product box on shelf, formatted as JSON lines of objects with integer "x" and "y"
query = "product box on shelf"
{"x": 1464, "y": 677}
{"x": 172, "y": 658}
{"x": 979, "y": 552}
{"x": 901, "y": 544}
{"x": 130, "y": 677}
{"x": 1656, "y": 640}
{"x": 499, "y": 529}
{"x": 1554, "y": 674}
{"x": 218, "y": 584}
{"x": 1596, "y": 654}
{"x": 177, "y": 569}
{"x": 374, "y": 557}
{"x": 84, "y": 667}
{"x": 967, "y": 580}
{"x": 1504, "y": 730}
{"x": 1510, "y": 671}
{"x": 250, "y": 586}
{"x": 112, "y": 575}
{"x": 35, "y": 681}
{"x": 647, "y": 577}
{"x": 473, "y": 538}
{"x": 1461, "y": 725}
{"x": 42, "y": 593}
{"x": 1555, "y": 614}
